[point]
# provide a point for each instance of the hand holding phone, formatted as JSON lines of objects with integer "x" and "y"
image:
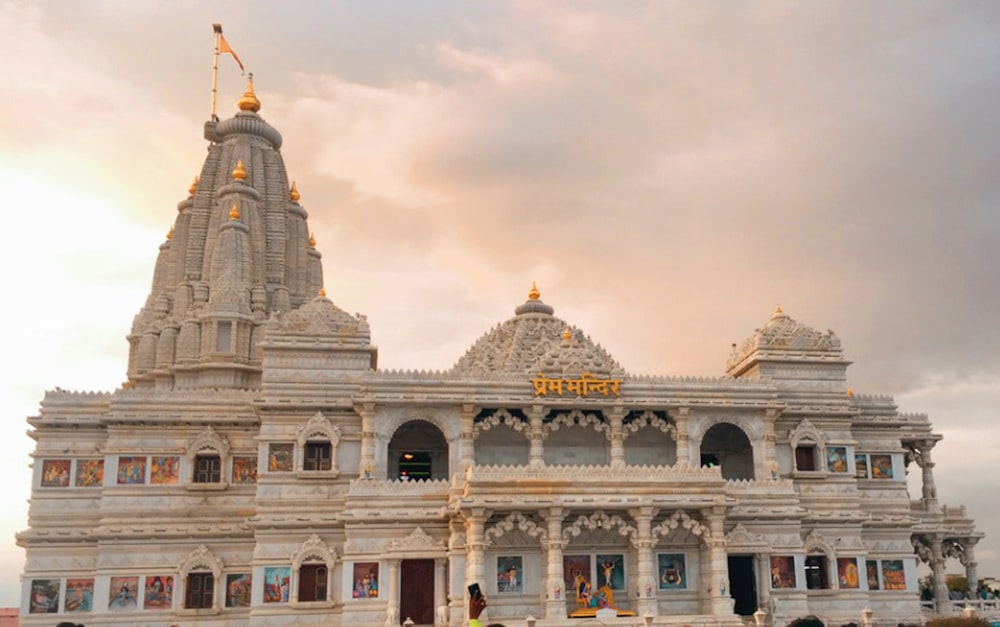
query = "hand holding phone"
{"x": 477, "y": 602}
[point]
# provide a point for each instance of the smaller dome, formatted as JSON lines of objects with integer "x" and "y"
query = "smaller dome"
{"x": 534, "y": 304}
{"x": 321, "y": 317}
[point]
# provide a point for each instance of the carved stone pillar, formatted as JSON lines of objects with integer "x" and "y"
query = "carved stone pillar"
{"x": 555, "y": 593}
{"x": 644, "y": 544}
{"x": 769, "y": 459}
{"x": 929, "y": 491}
{"x": 366, "y": 468}
{"x": 392, "y": 595}
{"x": 615, "y": 417}
{"x": 440, "y": 598}
{"x": 475, "y": 565}
{"x": 683, "y": 446}
{"x": 456, "y": 566}
{"x": 536, "y": 455}
{"x": 468, "y": 450}
{"x": 971, "y": 566}
{"x": 718, "y": 568}
{"x": 937, "y": 568}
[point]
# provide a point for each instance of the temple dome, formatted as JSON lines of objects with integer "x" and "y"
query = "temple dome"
{"x": 320, "y": 317}
{"x": 534, "y": 341}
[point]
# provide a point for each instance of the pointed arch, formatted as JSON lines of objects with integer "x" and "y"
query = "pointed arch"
{"x": 515, "y": 520}
{"x": 599, "y": 520}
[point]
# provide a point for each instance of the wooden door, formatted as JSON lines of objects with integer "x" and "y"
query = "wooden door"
{"x": 416, "y": 593}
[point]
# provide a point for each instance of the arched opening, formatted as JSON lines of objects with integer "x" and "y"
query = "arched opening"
{"x": 727, "y": 446}
{"x": 502, "y": 445}
{"x": 418, "y": 451}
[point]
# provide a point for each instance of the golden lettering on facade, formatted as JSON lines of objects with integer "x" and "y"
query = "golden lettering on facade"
{"x": 584, "y": 386}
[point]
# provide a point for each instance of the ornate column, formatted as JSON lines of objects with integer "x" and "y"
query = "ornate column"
{"x": 683, "y": 448}
{"x": 615, "y": 416}
{"x": 475, "y": 545}
{"x": 536, "y": 455}
{"x": 392, "y": 595}
{"x": 468, "y": 451}
{"x": 555, "y": 593}
{"x": 937, "y": 567}
{"x": 456, "y": 565}
{"x": 644, "y": 544}
{"x": 440, "y": 598}
{"x": 929, "y": 491}
{"x": 770, "y": 455}
{"x": 718, "y": 568}
{"x": 971, "y": 570}
{"x": 366, "y": 468}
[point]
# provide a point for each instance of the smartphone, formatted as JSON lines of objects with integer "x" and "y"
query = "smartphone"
{"x": 475, "y": 591}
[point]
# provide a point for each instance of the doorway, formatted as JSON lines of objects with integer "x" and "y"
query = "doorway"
{"x": 742, "y": 584}
{"x": 416, "y": 591}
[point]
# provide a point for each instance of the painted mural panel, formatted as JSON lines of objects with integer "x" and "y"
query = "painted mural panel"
{"x": 365, "y": 580}
{"x": 782, "y": 571}
{"x": 510, "y": 574}
{"x": 244, "y": 470}
{"x": 847, "y": 573}
{"x": 55, "y": 473}
{"x": 79, "y": 595}
{"x": 131, "y": 470}
{"x": 123, "y": 596}
{"x": 836, "y": 458}
{"x": 165, "y": 470}
{"x": 276, "y": 582}
{"x": 881, "y": 466}
{"x": 673, "y": 571}
{"x": 576, "y": 572}
{"x": 238, "y": 588}
{"x": 44, "y": 596}
{"x": 611, "y": 571}
{"x": 159, "y": 593}
{"x": 893, "y": 577}
{"x": 280, "y": 456}
{"x": 89, "y": 473}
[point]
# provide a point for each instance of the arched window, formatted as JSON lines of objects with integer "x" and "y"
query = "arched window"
{"x": 200, "y": 573}
{"x": 312, "y": 565}
{"x": 726, "y": 445}
{"x": 418, "y": 450}
{"x": 808, "y": 444}
{"x": 207, "y": 457}
{"x": 317, "y": 446}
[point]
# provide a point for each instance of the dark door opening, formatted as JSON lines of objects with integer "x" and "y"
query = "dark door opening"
{"x": 416, "y": 592}
{"x": 742, "y": 584}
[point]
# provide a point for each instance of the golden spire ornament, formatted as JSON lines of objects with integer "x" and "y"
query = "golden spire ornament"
{"x": 534, "y": 294}
{"x": 239, "y": 173}
{"x": 294, "y": 193}
{"x": 234, "y": 213}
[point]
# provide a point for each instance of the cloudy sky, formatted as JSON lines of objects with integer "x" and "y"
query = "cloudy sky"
{"x": 668, "y": 173}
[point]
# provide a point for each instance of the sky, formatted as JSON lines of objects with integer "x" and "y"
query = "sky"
{"x": 667, "y": 173}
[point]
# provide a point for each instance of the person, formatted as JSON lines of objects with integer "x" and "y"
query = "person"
{"x": 477, "y": 604}
{"x": 806, "y": 621}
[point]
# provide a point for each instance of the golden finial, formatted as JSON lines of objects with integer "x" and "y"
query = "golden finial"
{"x": 194, "y": 186}
{"x": 322, "y": 292}
{"x": 170, "y": 234}
{"x": 777, "y": 310}
{"x": 850, "y": 392}
{"x": 534, "y": 294}
{"x": 294, "y": 193}
{"x": 312, "y": 240}
{"x": 239, "y": 173}
{"x": 234, "y": 213}
{"x": 567, "y": 334}
{"x": 248, "y": 101}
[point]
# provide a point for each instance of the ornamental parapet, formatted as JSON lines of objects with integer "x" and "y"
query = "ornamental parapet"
{"x": 382, "y": 487}
{"x": 767, "y": 487}
{"x": 584, "y": 474}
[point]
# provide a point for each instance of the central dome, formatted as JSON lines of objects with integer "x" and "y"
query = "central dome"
{"x": 534, "y": 341}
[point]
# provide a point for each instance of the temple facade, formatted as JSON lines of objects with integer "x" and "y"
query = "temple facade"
{"x": 258, "y": 468}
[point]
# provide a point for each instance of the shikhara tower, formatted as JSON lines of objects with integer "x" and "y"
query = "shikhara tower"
{"x": 257, "y": 468}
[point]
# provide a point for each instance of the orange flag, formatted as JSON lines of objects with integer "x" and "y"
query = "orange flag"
{"x": 224, "y": 47}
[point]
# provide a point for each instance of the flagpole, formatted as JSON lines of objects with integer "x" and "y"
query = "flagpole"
{"x": 217, "y": 28}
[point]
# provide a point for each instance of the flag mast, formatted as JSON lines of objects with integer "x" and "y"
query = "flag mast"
{"x": 217, "y": 28}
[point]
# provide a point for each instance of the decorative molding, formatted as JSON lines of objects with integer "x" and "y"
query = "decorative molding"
{"x": 418, "y": 540}
{"x": 599, "y": 520}
{"x": 576, "y": 418}
{"x": 807, "y": 431}
{"x": 649, "y": 419}
{"x": 741, "y": 538}
{"x": 497, "y": 418}
{"x": 314, "y": 549}
{"x": 515, "y": 520}
{"x": 208, "y": 439}
{"x": 201, "y": 559}
{"x": 681, "y": 519}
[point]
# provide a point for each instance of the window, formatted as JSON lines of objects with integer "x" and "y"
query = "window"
{"x": 709, "y": 459}
{"x": 199, "y": 591}
{"x": 312, "y": 582}
{"x": 415, "y": 465}
{"x": 317, "y": 456}
{"x": 224, "y": 342}
{"x": 207, "y": 469}
{"x": 805, "y": 457}
{"x": 816, "y": 575}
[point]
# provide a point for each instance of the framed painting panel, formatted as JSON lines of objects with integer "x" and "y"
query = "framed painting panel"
{"x": 159, "y": 593}
{"x": 672, "y": 569}
{"x": 861, "y": 466}
{"x": 871, "y": 570}
{"x": 44, "y": 596}
{"x": 123, "y": 595}
{"x": 576, "y": 572}
{"x": 881, "y": 466}
{"x": 238, "y": 588}
{"x": 365, "y": 580}
{"x": 782, "y": 571}
{"x": 847, "y": 573}
{"x": 89, "y": 473}
{"x": 836, "y": 458}
{"x": 131, "y": 470}
{"x": 893, "y": 577}
{"x": 510, "y": 574}
{"x": 79, "y": 595}
{"x": 165, "y": 470}
{"x": 244, "y": 470}
{"x": 280, "y": 456}
{"x": 55, "y": 474}
{"x": 277, "y": 579}
{"x": 611, "y": 571}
